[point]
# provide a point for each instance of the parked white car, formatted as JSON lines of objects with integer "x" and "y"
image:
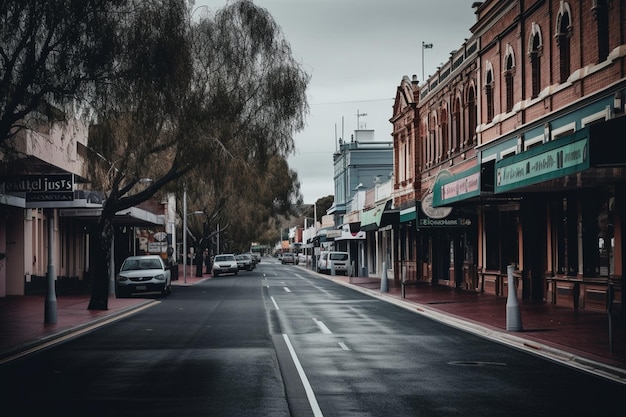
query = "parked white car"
{"x": 225, "y": 264}
{"x": 144, "y": 273}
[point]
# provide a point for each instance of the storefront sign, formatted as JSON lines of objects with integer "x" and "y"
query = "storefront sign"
{"x": 549, "y": 164}
{"x": 50, "y": 187}
{"x": 434, "y": 212}
{"x": 430, "y": 216}
{"x": 462, "y": 187}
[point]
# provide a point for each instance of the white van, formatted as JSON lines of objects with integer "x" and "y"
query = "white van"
{"x": 340, "y": 260}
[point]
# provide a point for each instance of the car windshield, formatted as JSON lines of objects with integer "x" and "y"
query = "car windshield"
{"x": 222, "y": 258}
{"x": 140, "y": 264}
{"x": 338, "y": 256}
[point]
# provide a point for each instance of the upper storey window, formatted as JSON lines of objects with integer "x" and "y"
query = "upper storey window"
{"x": 456, "y": 120}
{"x": 563, "y": 36}
{"x": 535, "y": 48}
{"x": 509, "y": 66}
{"x": 472, "y": 114}
{"x": 489, "y": 94}
{"x": 444, "y": 132}
{"x": 600, "y": 11}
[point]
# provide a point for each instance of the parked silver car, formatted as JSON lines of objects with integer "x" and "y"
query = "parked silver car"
{"x": 245, "y": 262}
{"x": 225, "y": 264}
{"x": 288, "y": 258}
{"x": 146, "y": 273}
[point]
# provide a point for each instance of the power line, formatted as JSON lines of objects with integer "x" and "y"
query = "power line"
{"x": 350, "y": 101}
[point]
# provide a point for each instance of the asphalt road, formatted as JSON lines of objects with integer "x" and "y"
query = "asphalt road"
{"x": 281, "y": 341}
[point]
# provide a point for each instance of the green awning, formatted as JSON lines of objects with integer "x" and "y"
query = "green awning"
{"x": 558, "y": 158}
{"x": 457, "y": 187}
{"x": 407, "y": 215}
{"x": 370, "y": 219}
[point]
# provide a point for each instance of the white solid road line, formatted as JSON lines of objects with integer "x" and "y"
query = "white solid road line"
{"x": 317, "y": 412}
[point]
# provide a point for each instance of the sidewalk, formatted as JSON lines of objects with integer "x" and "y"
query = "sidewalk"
{"x": 22, "y": 324}
{"x": 574, "y": 337}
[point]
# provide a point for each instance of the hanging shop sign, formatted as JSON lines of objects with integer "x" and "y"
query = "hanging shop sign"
{"x": 429, "y": 216}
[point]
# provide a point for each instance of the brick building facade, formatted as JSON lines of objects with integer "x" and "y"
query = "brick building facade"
{"x": 517, "y": 155}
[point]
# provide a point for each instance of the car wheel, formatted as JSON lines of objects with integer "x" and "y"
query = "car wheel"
{"x": 216, "y": 274}
{"x": 236, "y": 272}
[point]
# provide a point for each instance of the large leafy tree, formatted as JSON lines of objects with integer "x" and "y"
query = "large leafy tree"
{"x": 169, "y": 93}
{"x": 245, "y": 204}
{"x": 219, "y": 98}
{"x": 52, "y": 53}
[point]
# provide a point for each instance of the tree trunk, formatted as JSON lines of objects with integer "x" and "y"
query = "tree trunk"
{"x": 100, "y": 263}
{"x": 199, "y": 262}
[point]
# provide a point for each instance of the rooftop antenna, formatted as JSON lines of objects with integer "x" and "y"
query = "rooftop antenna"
{"x": 358, "y": 116}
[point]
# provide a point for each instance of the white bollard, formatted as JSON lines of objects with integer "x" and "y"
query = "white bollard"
{"x": 513, "y": 314}
{"x": 384, "y": 284}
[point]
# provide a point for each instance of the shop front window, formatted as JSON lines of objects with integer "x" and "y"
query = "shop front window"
{"x": 567, "y": 237}
{"x": 606, "y": 238}
{"x": 501, "y": 239}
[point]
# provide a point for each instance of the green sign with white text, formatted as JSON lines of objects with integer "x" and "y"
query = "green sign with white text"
{"x": 542, "y": 164}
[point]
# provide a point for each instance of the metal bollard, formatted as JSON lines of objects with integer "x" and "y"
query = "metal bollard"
{"x": 513, "y": 314}
{"x": 384, "y": 284}
{"x": 403, "y": 281}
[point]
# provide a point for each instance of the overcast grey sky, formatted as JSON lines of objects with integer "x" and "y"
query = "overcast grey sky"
{"x": 357, "y": 52}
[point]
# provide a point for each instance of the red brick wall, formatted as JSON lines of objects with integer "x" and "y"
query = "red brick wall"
{"x": 502, "y": 27}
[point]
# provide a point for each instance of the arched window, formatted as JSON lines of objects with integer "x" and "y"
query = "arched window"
{"x": 472, "y": 115}
{"x": 535, "y": 47}
{"x": 432, "y": 140}
{"x": 457, "y": 134}
{"x": 601, "y": 13}
{"x": 563, "y": 35}
{"x": 444, "y": 147}
{"x": 509, "y": 66}
{"x": 489, "y": 94}
{"x": 423, "y": 143}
